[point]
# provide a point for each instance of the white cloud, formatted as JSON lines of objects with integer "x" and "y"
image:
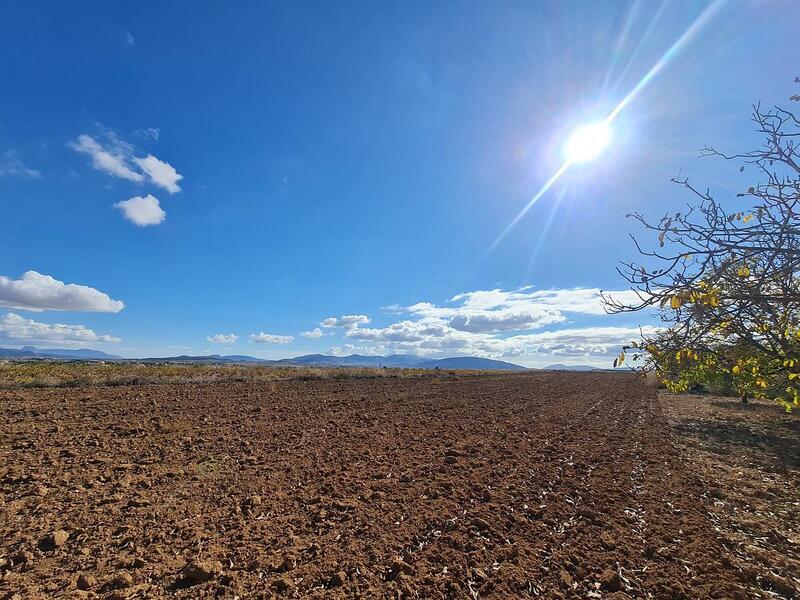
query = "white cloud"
{"x": 152, "y": 133}
{"x": 268, "y": 338}
{"x": 222, "y": 338}
{"x": 345, "y": 321}
{"x": 113, "y": 159}
{"x": 37, "y": 292}
{"x": 142, "y": 210}
{"x": 117, "y": 158}
{"x": 348, "y": 349}
{"x": 496, "y": 324}
{"x": 314, "y": 333}
{"x": 161, "y": 173}
{"x": 12, "y": 166}
{"x": 491, "y": 311}
{"x": 14, "y": 328}
{"x": 129, "y": 39}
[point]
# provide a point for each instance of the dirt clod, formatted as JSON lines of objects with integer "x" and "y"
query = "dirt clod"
{"x": 86, "y": 581}
{"x": 54, "y": 540}
{"x": 200, "y": 572}
{"x": 610, "y": 580}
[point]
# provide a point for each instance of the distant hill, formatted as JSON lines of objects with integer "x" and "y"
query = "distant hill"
{"x": 471, "y": 362}
{"x": 403, "y": 361}
{"x": 57, "y": 353}
{"x": 400, "y": 361}
{"x": 560, "y": 367}
{"x": 354, "y": 360}
{"x": 212, "y": 359}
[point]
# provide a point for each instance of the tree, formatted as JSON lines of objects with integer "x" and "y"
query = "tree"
{"x": 726, "y": 279}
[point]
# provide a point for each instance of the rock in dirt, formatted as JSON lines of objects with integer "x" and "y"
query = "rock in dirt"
{"x": 338, "y": 579}
{"x": 481, "y": 524}
{"x": 200, "y": 571}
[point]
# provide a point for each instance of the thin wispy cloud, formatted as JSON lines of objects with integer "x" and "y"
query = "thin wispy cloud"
{"x": 117, "y": 158}
{"x": 151, "y": 133}
{"x": 12, "y": 166}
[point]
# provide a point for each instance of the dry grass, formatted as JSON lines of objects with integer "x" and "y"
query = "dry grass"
{"x": 76, "y": 374}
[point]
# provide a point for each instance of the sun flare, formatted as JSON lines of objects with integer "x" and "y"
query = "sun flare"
{"x": 587, "y": 142}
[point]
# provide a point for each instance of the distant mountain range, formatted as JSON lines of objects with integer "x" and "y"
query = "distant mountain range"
{"x": 310, "y": 360}
{"x": 560, "y": 367}
{"x": 61, "y": 353}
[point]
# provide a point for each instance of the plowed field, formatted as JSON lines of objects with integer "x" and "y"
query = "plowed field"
{"x": 553, "y": 485}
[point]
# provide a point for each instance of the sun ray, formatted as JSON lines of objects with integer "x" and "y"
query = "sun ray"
{"x": 701, "y": 21}
{"x": 543, "y": 235}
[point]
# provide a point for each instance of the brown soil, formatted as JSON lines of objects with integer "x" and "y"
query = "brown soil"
{"x": 502, "y": 486}
{"x": 745, "y": 462}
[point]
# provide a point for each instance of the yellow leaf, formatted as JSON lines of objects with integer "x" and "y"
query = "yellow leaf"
{"x": 743, "y": 272}
{"x": 675, "y": 302}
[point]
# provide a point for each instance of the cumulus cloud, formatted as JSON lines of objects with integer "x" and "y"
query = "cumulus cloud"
{"x": 495, "y": 324}
{"x": 161, "y": 173}
{"x": 222, "y": 338}
{"x": 142, "y": 210}
{"x": 117, "y": 158}
{"x": 487, "y": 311}
{"x": 12, "y": 166}
{"x": 345, "y": 321}
{"x": 14, "y": 328}
{"x": 314, "y": 333}
{"x": 348, "y": 349}
{"x": 37, "y": 292}
{"x": 269, "y": 338}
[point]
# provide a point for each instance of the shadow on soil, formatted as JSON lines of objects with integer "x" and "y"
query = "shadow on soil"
{"x": 773, "y": 443}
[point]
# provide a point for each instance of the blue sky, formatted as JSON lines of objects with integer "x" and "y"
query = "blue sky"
{"x": 227, "y": 178}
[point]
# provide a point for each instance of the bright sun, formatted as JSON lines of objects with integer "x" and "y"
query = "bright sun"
{"x": 587, "y": 142}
